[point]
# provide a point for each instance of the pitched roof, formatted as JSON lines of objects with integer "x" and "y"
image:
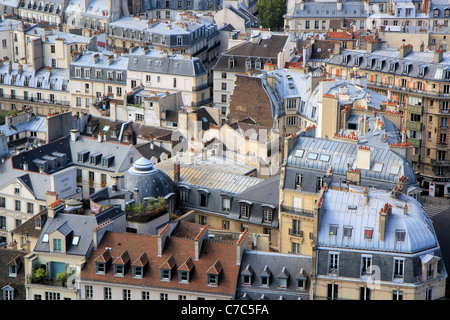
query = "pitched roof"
{"x": 259, "y": 108}
{"x": 176, "y": 253}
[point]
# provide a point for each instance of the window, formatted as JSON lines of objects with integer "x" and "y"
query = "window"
{"x": 364, "y": 293}
{"x": 397, "y": 295}
{"x": 119, "y": 270}
{"x": 100, "y": 268}
{"x": 107, "y": 293}
{"x": 320, "y": 183}
{"x": 183, "y": 276}
{"x": 298, "y": 180}
{"x": 126, "y": 294}
{"x": 282, "y": 282}
{"x": 138, "y": 272}
{"x": 2, "y": 202}
{"x": 18, "y": 205}
{"x": 30, "y": 207}
{"x": 332, "y": 291}
{"x": 295, "y": 248}
{"x": 267, "y": 215}
{"x": 226, "y": 224}
{"x": 366, "y": 262}
{"x": 333, "y": 230}
{"x": 183, "y": 195}
{"x": 165, "y": 274}
{"x": 245, "y": 211}
{"x": 398, "y": 268}
{"x": 174, "y": 82}
{"x": 57, "y": 245}
{"x": 89, "y": 292}
{"x": 226, "y": 204}
{"x": 430, "y": 270}
{"x": 203, "y": 199}
{"x": 333, "y": 263}
{"x": 312, "y": 156}
{"x": 368, "y": 234}
{"x": 348, "y": 232}
{"x": 145, "y": 295}
{"x": 400, "y": 235}
{"x": 163, "y": 296}
{"x": 377, "y": 167}
{"x": 212, "y": 279}
{"x": 52, "y": 295}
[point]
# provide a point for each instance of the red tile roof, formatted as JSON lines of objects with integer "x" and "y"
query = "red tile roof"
{"x": 177, "y": 255}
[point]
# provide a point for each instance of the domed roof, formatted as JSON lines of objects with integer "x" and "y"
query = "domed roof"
{"x": 150, "y": 181}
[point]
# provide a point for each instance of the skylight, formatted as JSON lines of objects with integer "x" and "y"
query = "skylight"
{"x": 394, "y": 170}
{"x": 312, "y": 156}
{"x": 75, "y": 240}
{"x": 299, "y": 153}
{"x": 324, "y": 157}
{"x": 378, "y": 167}
{"x": 45, "y": 238}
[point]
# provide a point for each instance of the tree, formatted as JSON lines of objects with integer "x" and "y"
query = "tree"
{"x": 270, "y": 13}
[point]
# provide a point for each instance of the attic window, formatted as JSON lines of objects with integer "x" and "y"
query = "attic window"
{"x": 405, "y": 68}
{"x": 368, "y": 233}
{"x": 45, "y": 238}
{"x": 378, "y": 167}
{"x": 248, "y": 64}
{"x": 333, "y": 230}
{"x": 312, "y": 156}
{"x": 392, "y": 66}
{"x": 299, "y": 153}
{"x": 394, "y": 170}
{"x": 231, "y": 63}
{"x": 76, "y": 240}
{"x": 369, "y": 63}
{"x": 421, "y": 71}
{"x": 348, "y": 232}
{"x": 400, "y": 235}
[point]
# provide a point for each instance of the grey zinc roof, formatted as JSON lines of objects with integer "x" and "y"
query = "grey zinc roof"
{"x": 156, "y": 61}
{"x": 350, "y": 9}
{"x": 344, "y": 153}
{"x": 420, "y": 233}
{"x": 415, "y": 59}
{"x": 87, "y": 60}
{"x": 118, "y": 150}
{"x": 273, "y": 264}
{"x": 36, "y": 124}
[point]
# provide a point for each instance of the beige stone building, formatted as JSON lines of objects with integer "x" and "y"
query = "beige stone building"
{"x": 417, "y": 82}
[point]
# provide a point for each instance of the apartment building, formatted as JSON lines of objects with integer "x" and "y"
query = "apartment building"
{"x": 65, "y": 243}
{"x": 179, "y": 263}
{"x": 417, "y": 82}
{"x": 161, "y": 71}
{"x": 313, "y": 165}
{"x": 261, "y": 52}
{"x": 97, "y": 81}
{"x": 368, "y": 248}
{"x": 49, "y": 11}
{"x": 45, "y": 90}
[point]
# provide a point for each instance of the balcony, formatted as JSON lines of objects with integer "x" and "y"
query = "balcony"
{"x": 296, "y": 232}
{"x": 298, "y": 211}
{"x": 34, "y": 100}
{"x": 415, "y": 158}
{"x": 414, "y": 142}
{"x": 416, "y": 126}
{"x": 414, "y": 109}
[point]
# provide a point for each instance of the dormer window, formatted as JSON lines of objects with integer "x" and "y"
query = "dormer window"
{"x": 379, "y": 64}
{"x": 248, "y": 63}
{"x": 265, "y": 277}
{"x": 100, "y": 268}
{"x": 139, "y": 266}
{"x": 405, "y": 67}
{"x": 138, "y": 272}
{"x": 283, "y": 278}
{"x": 213, "y": 274}
{"x": 436, "y": 12}
{"x": 245, "y": 209}
{"x": 357, "y": 60}
{"x": 258, "y": 64}
{"x": 120, "y": 264}
{"x": 392, "y": 66}
{"x": 166, "y": 269}
{"x": 400, "y": 235}
{"x": 421, "y": 71}
{"x": 300, "y": 280}
{"x": 345, "y": 58}
{"x": 446, "y": 74}
{"x": 184, "y": 271}
{"x": 246, "y": 276}
{"x": 267, "y": 214}
{"x": 231, "y": 62}
{"x": 369, "y": 63}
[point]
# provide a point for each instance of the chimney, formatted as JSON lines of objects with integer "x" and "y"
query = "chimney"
{"x": 73, "y": 135}
{"x": 366, "y": 195}
{"x": 137, "y": 196}
{"x": 50, "y": 197}
{"x": 99, "y": 137}
{"x": 95, "y": 237}
{"x": 241, "y": 246}
{"x": 110, "y": 58}
{"x": 176, "y": 169}
{"x": 25, "y": 166}
{"x": 339, "y": 5}
{"x": 53, "y": 207}
{"x": 337, "y": 47}
{"x": 405, "y": 50}
{"x": 19, "y": 69}
{"x": 96, "y": 57}
{"x": 405, "y": 209}
{"x": 162, "y": 236}
{"x": 385, "y": 212}
{"x": 438, "y": 56}
{"x": 404, "y": 135}
{"x": 204, "y": 154}
{"x": 363, "y": 158}
{"x": 202, "y": 235}
{"x": 302, "y": 5}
